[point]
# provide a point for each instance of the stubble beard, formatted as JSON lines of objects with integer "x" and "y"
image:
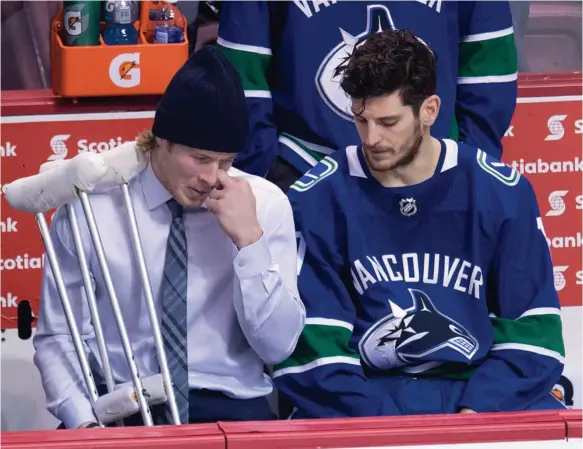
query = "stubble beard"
{"x": 406, "y": 159}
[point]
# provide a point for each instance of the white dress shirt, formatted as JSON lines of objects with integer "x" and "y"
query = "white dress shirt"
{"x": 244, "y": 309}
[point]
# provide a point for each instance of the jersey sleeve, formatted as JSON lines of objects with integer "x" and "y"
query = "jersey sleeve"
{"x": 323, "y": 378}
{"x": 487, "y": 74}
{"x": 527, "y": 357}
{"x": 245, "y": 36}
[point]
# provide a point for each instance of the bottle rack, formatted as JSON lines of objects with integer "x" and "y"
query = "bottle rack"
{"x": 101, "y": 70}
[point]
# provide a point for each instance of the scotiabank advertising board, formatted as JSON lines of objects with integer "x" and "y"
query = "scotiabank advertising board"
{"x": 28, "y": 142}
{"x": 543, "y": 143}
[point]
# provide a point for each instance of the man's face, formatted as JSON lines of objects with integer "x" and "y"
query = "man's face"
{"x": 390, "y": 133}
{"x": 190, "y": 174}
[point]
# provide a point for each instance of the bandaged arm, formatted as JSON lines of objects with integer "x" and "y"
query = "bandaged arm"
{"x": 57, "y": 182}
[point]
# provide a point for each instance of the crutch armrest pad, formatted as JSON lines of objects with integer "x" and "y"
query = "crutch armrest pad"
{"x": 57, "y": 182}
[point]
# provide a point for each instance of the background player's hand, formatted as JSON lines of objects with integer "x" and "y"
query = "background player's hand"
{"x": 467, "y": 410}
{"x": 233, "y": 202}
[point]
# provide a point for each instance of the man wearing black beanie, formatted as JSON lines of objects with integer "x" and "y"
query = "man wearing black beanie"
{"x": 220, "y": 251}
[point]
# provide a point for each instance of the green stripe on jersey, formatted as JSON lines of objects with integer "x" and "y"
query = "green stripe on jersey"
{"x": 303, "y": 149}
{"x": 319, "y": 341}
{"x": 542, "y": 331}
{"x": 494, "y": 57}
{"x": 251, "y": 67}
{"x": 454, "y": 131}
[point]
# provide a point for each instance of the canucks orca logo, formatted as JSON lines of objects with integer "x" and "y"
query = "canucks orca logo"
{"x": 379, "y": 19}
{"x": 408, "y": 336}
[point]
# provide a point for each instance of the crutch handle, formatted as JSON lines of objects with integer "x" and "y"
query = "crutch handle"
{"x": 122, "y": 402}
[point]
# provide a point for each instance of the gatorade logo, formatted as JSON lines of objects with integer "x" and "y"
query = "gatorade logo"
{"x": 73, "y": 22}
{"x": 109, "y": 6}
{"x": 124, "y": 70}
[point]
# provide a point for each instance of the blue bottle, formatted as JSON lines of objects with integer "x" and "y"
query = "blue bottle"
{"x": 120, "y": 16}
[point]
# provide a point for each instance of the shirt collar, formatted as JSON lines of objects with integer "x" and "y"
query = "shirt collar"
{"x": 155, "y": 193}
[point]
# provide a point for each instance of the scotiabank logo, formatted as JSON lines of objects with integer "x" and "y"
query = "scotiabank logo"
{"x": 540, "y": 166}
{"x": 85, "y": 145}
{"x": 22, "y": 262}
{"x": 556, "y": 128}
{"x": 8, "y": 226}
{"x": 559, "y": 277}
{"x": 558, "y": 203}
{"x": 59, "y": 147}
{"x": 7, "y": 150}
{"x": 568, "y": 241}
{"x": 560, "y": 280}
{"x": 9, "y": 300}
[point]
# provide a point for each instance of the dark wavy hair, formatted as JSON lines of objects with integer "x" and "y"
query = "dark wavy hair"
{"x": 387, "y": 62}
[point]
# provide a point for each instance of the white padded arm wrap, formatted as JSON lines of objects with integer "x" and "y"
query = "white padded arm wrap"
{"x": 57, "y": 181}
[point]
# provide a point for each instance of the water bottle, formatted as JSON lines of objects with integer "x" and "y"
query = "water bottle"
{"x": 109, "y": 6}
{"x": 167, "y": 31}
{"x": 120, "y": 16}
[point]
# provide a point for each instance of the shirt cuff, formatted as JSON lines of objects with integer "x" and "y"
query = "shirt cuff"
{"x": 74, "y": 412}
{"x": 254, "y": 259}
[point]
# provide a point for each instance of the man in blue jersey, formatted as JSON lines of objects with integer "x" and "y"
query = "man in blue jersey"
{"x": 423, "y": 263}
{"x": 286, "y": 53}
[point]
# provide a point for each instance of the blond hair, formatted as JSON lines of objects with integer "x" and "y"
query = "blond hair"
{"x": 146, "y": 140}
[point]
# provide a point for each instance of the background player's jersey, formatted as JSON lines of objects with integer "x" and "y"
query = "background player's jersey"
{"x": 286, "y": 53}
{"x": 451, "y": 277}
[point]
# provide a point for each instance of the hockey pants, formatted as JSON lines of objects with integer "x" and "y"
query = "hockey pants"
{"x": 424, "y": 396}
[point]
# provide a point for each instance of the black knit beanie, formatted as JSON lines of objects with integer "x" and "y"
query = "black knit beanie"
{"x": 204, "y": 105}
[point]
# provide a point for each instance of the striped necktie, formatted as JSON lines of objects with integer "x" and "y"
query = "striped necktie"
{"x": 174, "y": 332}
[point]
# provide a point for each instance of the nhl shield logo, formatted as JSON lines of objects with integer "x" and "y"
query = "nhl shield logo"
{"x": 408, "y": 206}
{"x": 378, "y": 19}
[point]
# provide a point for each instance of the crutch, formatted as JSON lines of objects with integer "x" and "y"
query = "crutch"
{"x": 156, "y": 383}
{"x": 102, "y": 405}
{"x": 51, "y": 188}
{"x": 91, "y": 301}
{"x": 100, "y": 253}
{"x": 77, "y": 342}
{"x": 139, "y": 253}
{"x": 118, "y": 403}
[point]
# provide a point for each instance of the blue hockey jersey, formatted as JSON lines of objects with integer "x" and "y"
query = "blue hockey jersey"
{"x": 286, "y": 53}
{"x": 451, "y": 277}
